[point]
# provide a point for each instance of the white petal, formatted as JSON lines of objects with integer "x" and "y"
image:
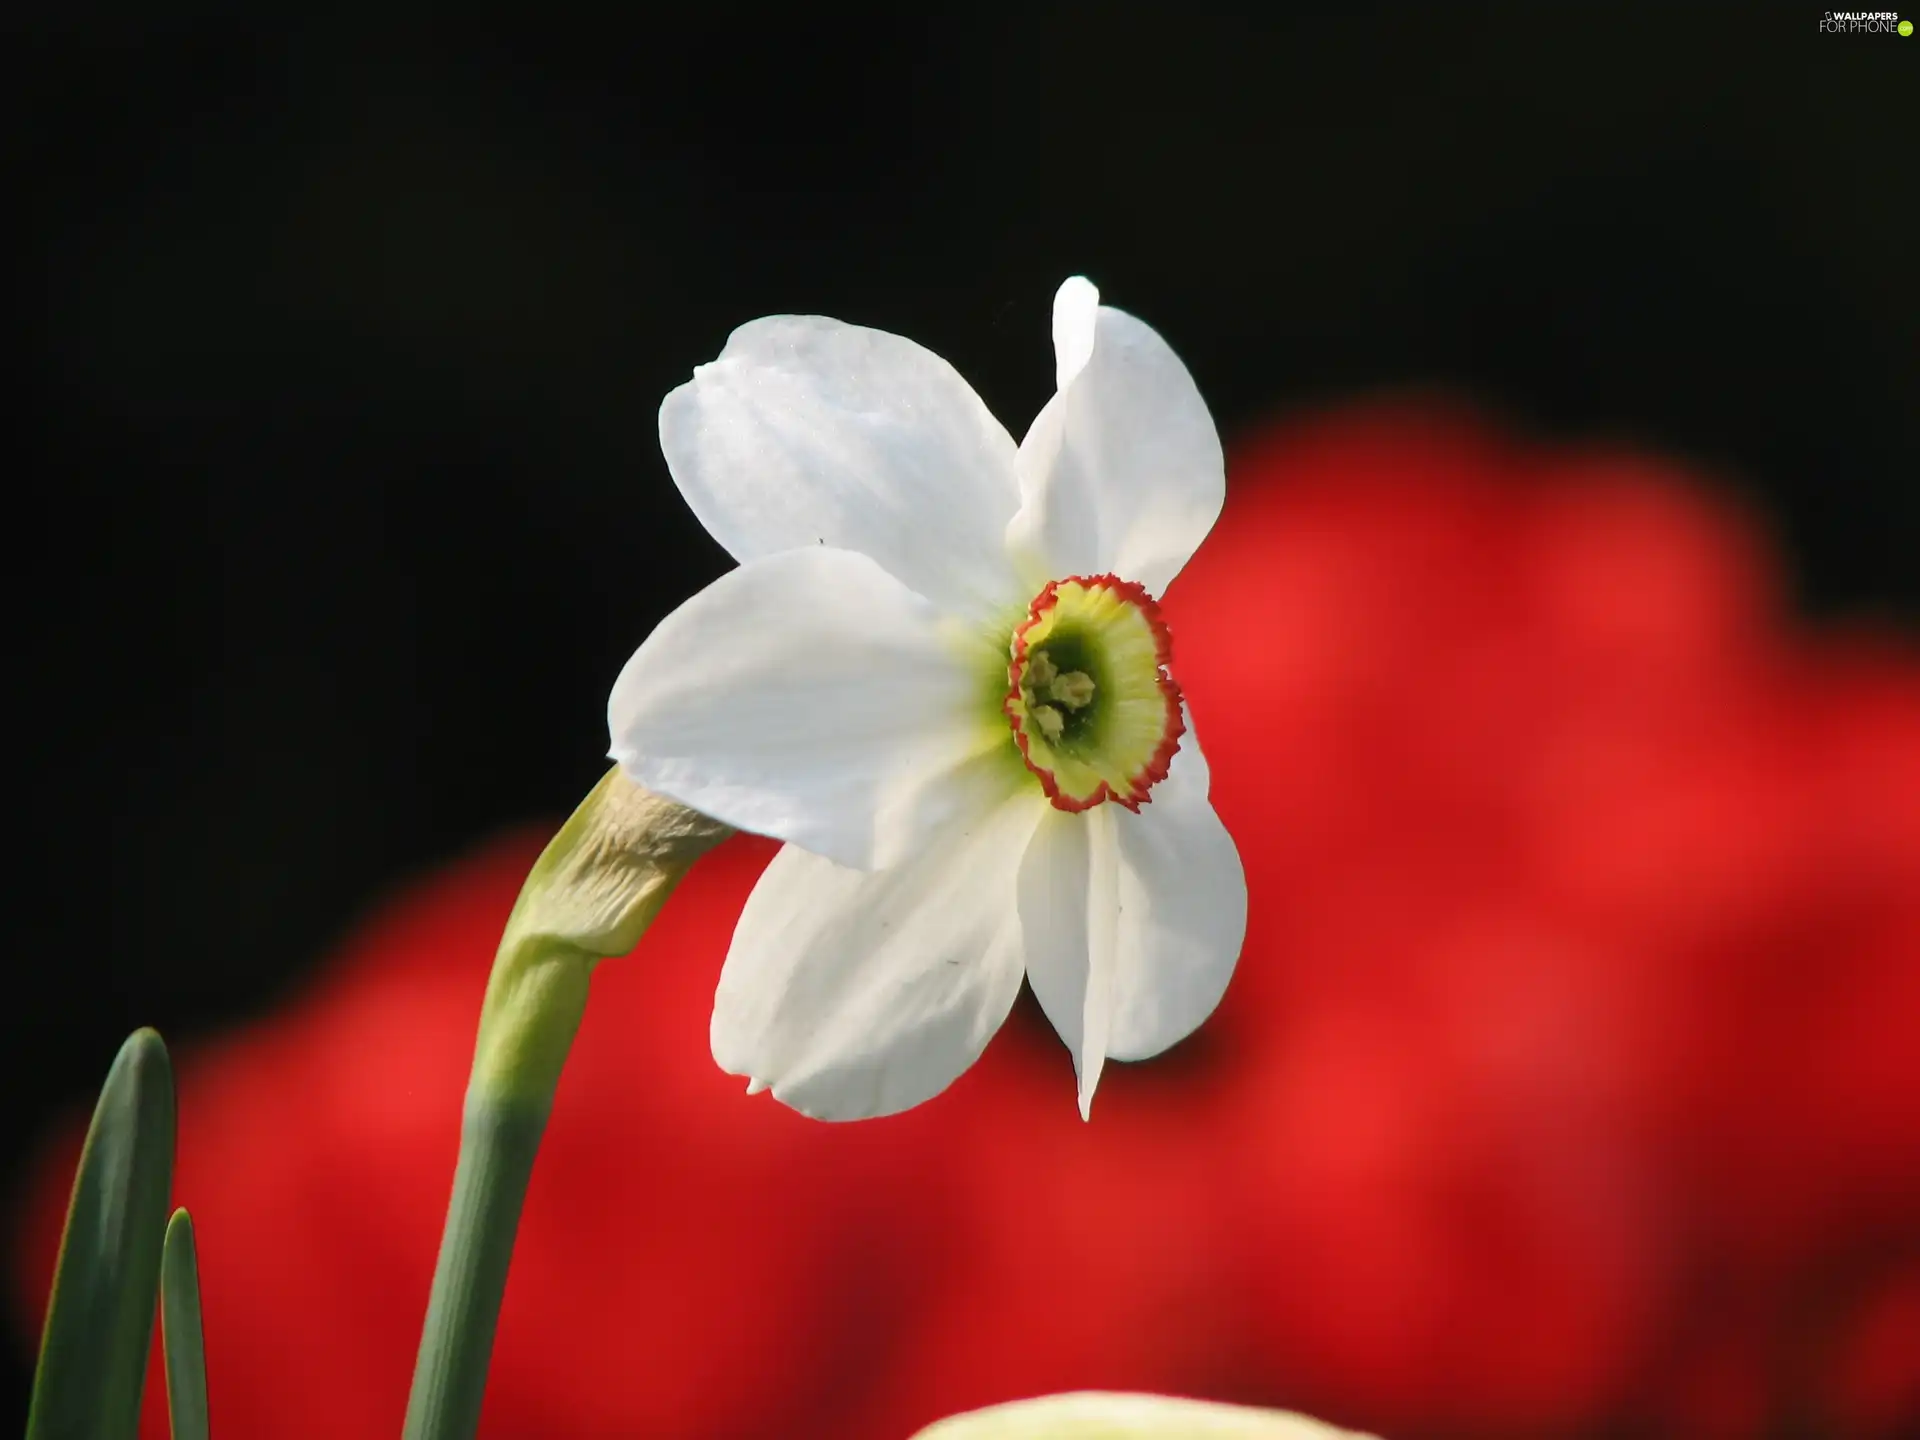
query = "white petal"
{"x": 1068, "y": 913}
{"x": 1122, "y": 471}
{"x": 1183, "y": 914}
{"x": 853, "y": 994}
{"x": 1189, "y": 777}
{"x": 810, "y": 696}
{"x": 1097, "y": 1415}
{"x": 1133, "y": 922}
{"x": 807, "y": 431}
{"x": 1076, "y": 312}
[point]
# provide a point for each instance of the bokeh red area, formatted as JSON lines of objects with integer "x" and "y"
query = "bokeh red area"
{"x": 1569, "y": 1084}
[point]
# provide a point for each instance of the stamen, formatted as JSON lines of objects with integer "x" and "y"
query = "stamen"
{"x": 1073, "y": 690}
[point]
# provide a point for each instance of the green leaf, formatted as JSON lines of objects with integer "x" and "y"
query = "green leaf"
{"x": 93, "y": 1351}
{"x": 180, "y": 1331}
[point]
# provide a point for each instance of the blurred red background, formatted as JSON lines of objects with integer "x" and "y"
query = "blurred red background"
{"x": 1569, "y": 1084}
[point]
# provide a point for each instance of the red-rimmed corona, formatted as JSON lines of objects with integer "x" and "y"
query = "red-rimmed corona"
{"x": 1093, "y": 709}
{"x": 938, "y": 662}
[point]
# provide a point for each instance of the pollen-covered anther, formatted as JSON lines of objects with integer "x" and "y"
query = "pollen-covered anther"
{"x": 1073, "y": 690}
{"x": 1093, "y": 710}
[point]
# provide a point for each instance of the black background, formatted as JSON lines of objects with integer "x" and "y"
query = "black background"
{"x": 340, "y": 349}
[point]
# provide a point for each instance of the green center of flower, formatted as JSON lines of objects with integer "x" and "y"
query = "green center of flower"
{"x": 1092, "y": 708}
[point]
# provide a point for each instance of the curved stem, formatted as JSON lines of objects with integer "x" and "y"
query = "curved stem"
{"x": 591, "y": 894}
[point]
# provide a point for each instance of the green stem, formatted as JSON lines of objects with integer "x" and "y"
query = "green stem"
{"x": 591, "y": 894}
{"x": 499, "y": 1137}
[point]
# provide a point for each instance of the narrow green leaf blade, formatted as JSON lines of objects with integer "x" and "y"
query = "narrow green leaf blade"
{"x": 93, "y": 1350}
{"x": 181, "y": 1331}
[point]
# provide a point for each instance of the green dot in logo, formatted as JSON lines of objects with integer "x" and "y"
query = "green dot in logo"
{"x": 1906, "y": 27}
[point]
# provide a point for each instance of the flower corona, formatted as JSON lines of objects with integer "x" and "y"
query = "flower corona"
{"x": 1093, "y": 710}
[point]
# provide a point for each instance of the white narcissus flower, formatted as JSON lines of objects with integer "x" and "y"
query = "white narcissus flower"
{"x": 1100, "y": 1415}
{"x": 940, "y": 676}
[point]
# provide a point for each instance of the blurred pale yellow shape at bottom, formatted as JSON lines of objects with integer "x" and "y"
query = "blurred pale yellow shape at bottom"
{"x": 1095, "y": 1415}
